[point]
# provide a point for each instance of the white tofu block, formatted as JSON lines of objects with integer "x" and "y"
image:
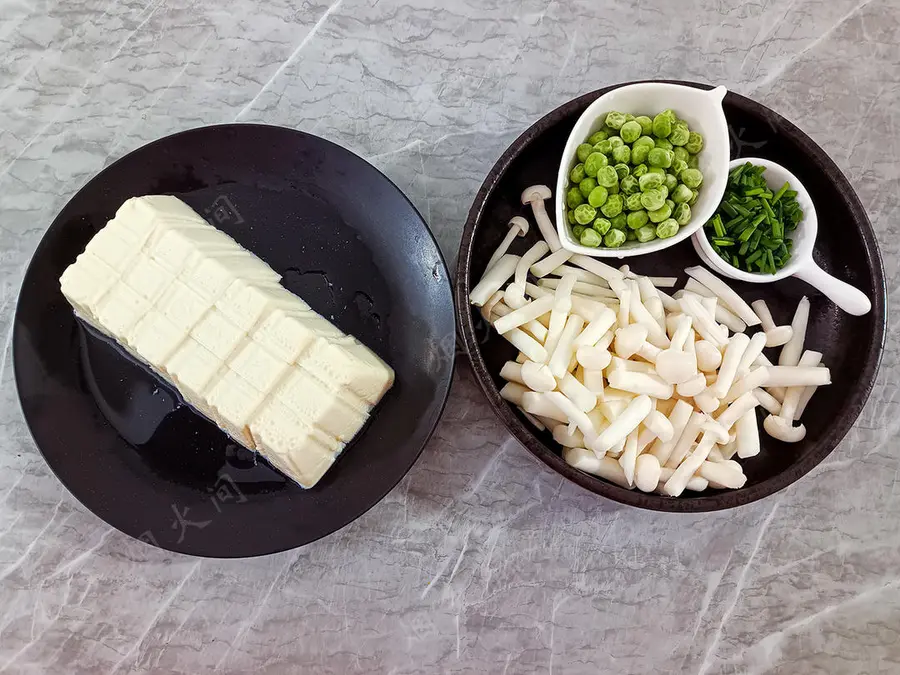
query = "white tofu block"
{"x": 193, "y": 367}
{"x": 148, "y": 278}
{"x": 290, "y": 444}
{"x": 311, "y": 400}
{"x": 179, "y": 248}
{"x": 86, "y": 282}
{"x": 182, "y": 306}
{"x": 218, "y": 334}
{"x": 257, "y": 365}
{"x": 245, "y": 301}
{"x": 113, "y": 249}
{"x": 119, "y": 310}
{"x": 234, "y": 402}
{"x": 154, "y": 338}
{"x": 348, "y": 364}
{"x": 289, "y": 334}
{"x": 211, "y": 275}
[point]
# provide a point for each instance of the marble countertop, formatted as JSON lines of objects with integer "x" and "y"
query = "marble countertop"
{"x": 480, "y": 561}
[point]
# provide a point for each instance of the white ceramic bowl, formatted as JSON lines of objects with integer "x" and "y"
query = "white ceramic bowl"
{"x": 801, "y": 264}
{"x": 700, "y": 108}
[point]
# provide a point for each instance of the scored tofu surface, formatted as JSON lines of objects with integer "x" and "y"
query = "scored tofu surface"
{"x": 212, "y": 318}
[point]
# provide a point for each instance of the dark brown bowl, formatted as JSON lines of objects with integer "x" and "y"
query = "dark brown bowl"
{"x": 851, "y": 346}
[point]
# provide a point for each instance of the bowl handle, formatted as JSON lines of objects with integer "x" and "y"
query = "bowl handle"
{"x": 850, "y": 299}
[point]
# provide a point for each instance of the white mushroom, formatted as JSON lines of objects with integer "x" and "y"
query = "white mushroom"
{"x": 734, "y": 352}
{"x": 562, "y": 436}
{"x": 592, "y": 357}
{"x": 518, "y": 227}
{"x": 754, "y": 349}
{"x": 659, "y": 425}
{"x": 629, "y": 340}
{"x": 692, "y": 386}
{"x": 495, "y": 276}
{"x": 597, "y": 267}
{"x": 512, "y": 372}
{"x": 538, "y": 404}
{"x": 533, "y": 349}
{"x": 605, "y": 467}
{"x": 775, "y": 335}
{"x": 545, "y": 266}
{"x": 579, "y": 394}
{"x": 725, "y": 294}
{"x": 678, "y": 417}
{"x": 747, "y": 441}
{"x": 635, "y": 413}
{"x": 767, "y": 401}
{"x": 564, "y": 349}
{"x": 646, "y": 473}
{"x": 487, "y": 309}
{"x": 593, "y": 381}
{"x": 721, "y": 313}
{"x": 535, "y": 195}
{"x": 723, "y": 474}
{"x": 528, "y": 312}
{"x": 709, "y": 358}
{"x": 629, "y": 456}
{"x": 731, "y": 415}
{"x": 686, "y": 439}
{"x": 695, "y": 484}
{"x": 797, "y": 376}
{"x": 596, "y": 328}
{"x": 537, "y": 376}
{"x": 675, "y": 365}
{"x": 791, "y": 352}
{"x": 513, "y": 392}
{"x": 783, "y": 430}
{"x": 559, "y": 314}
{"x": 640, "y": 383}
{"x": 679, "y": 480}
{"x": 706, "y": 401}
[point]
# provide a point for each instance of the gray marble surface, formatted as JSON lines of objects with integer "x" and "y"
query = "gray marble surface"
{"x": 480, "y": 561}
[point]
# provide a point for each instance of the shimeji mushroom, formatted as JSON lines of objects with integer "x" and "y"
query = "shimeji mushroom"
{"x": 775, "y": 335}
{"x": 722, "y": 314}
{"x": 734, "y": 352}
{"x": 686, "y": 439}
{"x": 709, "y": 358}
{"x": 578, "y": 393}
{"x": 546, "y": 265}
{"x": 723, "y": 474}
{"x": 535, "y": 196}
{"x": 675, "y": 365}
{"x": 591, "y": 357}
{"x": 537, "y": 376}
{"x": 635, "y": 413}
{"x": 513, "y": 392}
{"x": 749, "y": 382}
{"x": 564, "y": 349}
{"x": 527, "y": 312}
{"x": 747, "y": 441}
{"x": 781, "y": 427}
{"x": 751, "y": 353}
{"x": 597, "y": 267}
{"x": 559, "y": 314}
{"x": 495, "y": 276}
{"x": 695, "y": 484}
{"x": 725, "y": 293}
{"x": 679, "y": 479}
{"x": 605, "y": 467}
{"x": 514, "y": 296}
{"x": 797, "y": 376}
{"x": 518, "y": 227}
{"x": 678, "y": 419}
{"x": 784, "y": 430}
{"x": 629, "y": 340}
{"x": 692, "y": 386}
{"x": 640, "y": 383}
{"x": 535, "y": 328}
{"x": 793, "y": 349}
{"x": 646, "y": 472}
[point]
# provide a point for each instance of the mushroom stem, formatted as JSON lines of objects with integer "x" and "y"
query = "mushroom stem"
{"x": 518, "y": 227}
{"x": 535, "y": 195}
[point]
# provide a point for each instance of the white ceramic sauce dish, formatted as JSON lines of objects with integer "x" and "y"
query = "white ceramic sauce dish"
{"x": 801, "y": 265}
{"x": 700, "y": 108}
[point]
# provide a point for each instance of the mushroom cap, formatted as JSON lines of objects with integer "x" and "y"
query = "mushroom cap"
{"x": 783, "y": 429}
{"x": 521, "y": 223}
{"x": 676, "y": 367}
{"x": 535, "y": 192}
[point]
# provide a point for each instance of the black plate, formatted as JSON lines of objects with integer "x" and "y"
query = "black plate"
{"x": 846, "y": 248}
{"x": 346, "y": 240}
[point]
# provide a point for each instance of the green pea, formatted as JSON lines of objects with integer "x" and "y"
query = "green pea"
{"x": 664, "y": 144}
{"x": 584, "y": 214}
{"x": 614, "y": 238}
{"x": 646, "y": 124}
{"x": 594, "y": 162}
{"x": 577, "y": 230}
{"x": 597, "y": 136}
{"x": 612, "y": 207}
{"x": 692, "y": 178}
{"x": 590, "y": 238}
{"x": 667, "y": 228}
{"x": 681, "y": 153}
{"x": 660, "y": 157}
{"x": 609, "y": 131}
{"x": 630, "y": 131}
{"x": 645, "y": 140}
{"x": 678, "y": 165}
{"x": 670, "y": 182}
{"x": 576, "y": 175}
{"x": 694, "y": 144}
{"x": 662, "y": 126}
{"x": 649, "y": 181}
{"x": 570, "y": 216}
{"x": 607, "y": 177}
{"x": 629, "y": 117}
{"x": 657, "y": 169}
{"x": 602, "y": 225}
{"x": 597, "y": 196}
{"x": 622, "y": 170}
{"x": 615, "y": 120}
{"x": 638, "y": 170}
{"x": 679, "y": 135}
{"x": 682, "y": 214}
{"x": 620, "y": 222}
{"x": 603, "y": 146}
{"x": 651, "y": 199}
{"x": 629, "y": 183}
{"x": 637, "y": 219}
{"x": 574, "y": 197}
{"x": 693, "y": 199}
{"x": 658, "y": 215}
{"x": 639, "y": 153}
{"x": 630, "y": 235}
{"x": 633, "y": 202}
{"x": 615, "y": 142}
{"x": 645, "y": 234}
{"x": 583, "y": 150}
{"x": 670, "y": 115}
{"x": 681, "y": 194}
{"x": 613, "y": 189}
{"x": 670, "y": 204}
{"x": 621, "y": 154}
{"x": 693, "y": 162}
{"x": 586, "y": 186}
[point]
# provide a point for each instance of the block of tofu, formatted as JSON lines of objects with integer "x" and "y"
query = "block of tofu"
{"x": 211, "y": 318}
